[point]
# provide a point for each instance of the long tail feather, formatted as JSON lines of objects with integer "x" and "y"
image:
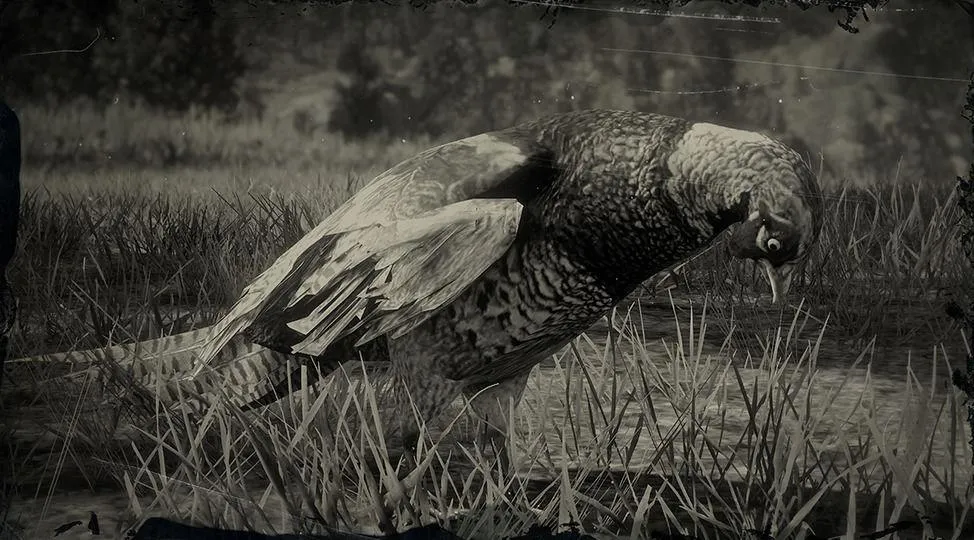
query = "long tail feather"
{"x": 159, "y": 365}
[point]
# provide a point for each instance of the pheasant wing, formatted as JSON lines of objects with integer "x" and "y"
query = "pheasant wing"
{"x": 398, "y": 250}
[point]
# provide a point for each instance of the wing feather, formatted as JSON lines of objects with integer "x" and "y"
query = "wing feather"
{"x": 491, "y": 223}
{"x": 402, "y": 247}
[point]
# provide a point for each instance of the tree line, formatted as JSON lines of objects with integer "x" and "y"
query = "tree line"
{"x": 458, "y": 67}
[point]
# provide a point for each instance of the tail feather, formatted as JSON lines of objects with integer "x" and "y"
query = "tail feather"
{"x": 252, "y": 372}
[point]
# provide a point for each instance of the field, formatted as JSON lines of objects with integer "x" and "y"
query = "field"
{"x": 693, "y": 409}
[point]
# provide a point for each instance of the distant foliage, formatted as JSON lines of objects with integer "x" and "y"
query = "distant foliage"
{"x": 367, "y": 103}
{"x": 364, "y": 69}
{"x": 455, "y": 70}
{"x": 170, "y": 55}
{"x": 469, "y": 69}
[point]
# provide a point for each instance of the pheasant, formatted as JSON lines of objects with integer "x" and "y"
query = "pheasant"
{"x": 464, "y": 266}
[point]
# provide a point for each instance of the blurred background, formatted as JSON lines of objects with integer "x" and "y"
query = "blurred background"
{"x": 198, "y": 83}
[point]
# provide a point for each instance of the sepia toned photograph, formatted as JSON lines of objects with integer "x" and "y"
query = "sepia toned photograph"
{"x": 487, "y": 269}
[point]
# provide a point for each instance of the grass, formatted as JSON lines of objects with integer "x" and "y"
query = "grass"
{"x": 83, "y": 134}
{"x": 716, "y": 417}
{"x": 622, "y": 439}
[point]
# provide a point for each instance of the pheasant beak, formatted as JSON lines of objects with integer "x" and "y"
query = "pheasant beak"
{"x": 780, "y": 279}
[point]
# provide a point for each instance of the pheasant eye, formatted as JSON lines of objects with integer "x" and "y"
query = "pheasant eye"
{"x": 774, "y": 244}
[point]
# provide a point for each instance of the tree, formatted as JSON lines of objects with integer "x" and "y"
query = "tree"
{"x": 168, "y": 54}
